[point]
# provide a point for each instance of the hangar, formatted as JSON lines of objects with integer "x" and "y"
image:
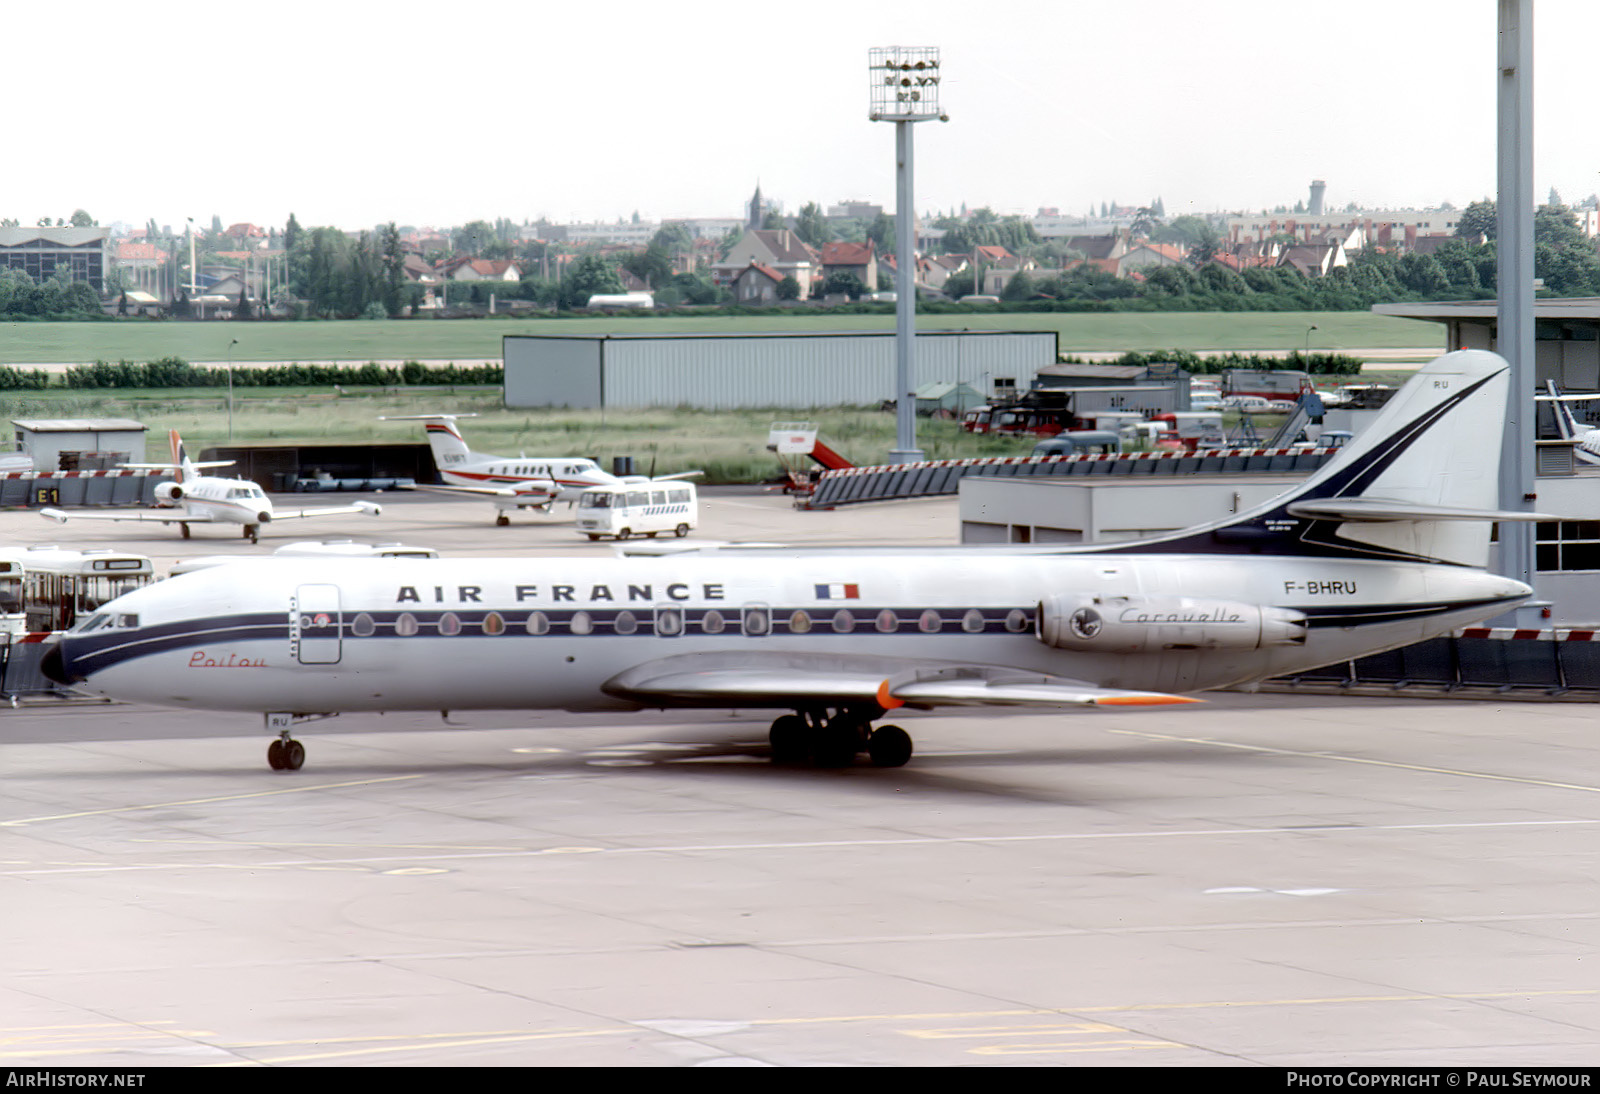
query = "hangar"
{"x": 780, "y": 369}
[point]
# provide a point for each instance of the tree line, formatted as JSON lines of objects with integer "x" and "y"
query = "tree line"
{"x": 168, "y": 372}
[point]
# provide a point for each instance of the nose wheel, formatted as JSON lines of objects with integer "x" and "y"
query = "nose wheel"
{"x": 836, "y": 741}
{"x": 286, "y": 754}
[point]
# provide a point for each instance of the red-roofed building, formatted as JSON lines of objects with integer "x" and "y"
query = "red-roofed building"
{"x": 481, "y": 269}
{"x": 757, "y": 284}
{"x": 776, "y": 248}
{"x": 859, "y": 259}
{"x": 1144, "y": 256}
{"x": 143, "y": 266}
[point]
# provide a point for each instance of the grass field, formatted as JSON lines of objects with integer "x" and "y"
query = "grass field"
{"x": 479, "y": 339}
{"x": 730, "y": 446}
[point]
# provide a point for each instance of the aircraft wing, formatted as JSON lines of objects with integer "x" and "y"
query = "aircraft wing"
{"x": 787, "y": 679}
{"x": 163, "y": 516}
{"x": 177, "y": 466}
{"x": 332, "y": 511}
{"x": 483, "y": 491}
{"x": 661, "y": 478}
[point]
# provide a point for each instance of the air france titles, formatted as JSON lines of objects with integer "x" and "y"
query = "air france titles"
{"x": 564, "y": 594}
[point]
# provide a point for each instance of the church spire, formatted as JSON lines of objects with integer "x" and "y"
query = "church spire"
{"x": 757, "y": 212}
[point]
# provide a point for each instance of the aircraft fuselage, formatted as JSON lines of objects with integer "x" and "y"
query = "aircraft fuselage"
{"x": 433, "y": 634}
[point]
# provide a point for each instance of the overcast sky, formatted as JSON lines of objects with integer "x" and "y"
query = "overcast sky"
{"x": 434, "y": 114}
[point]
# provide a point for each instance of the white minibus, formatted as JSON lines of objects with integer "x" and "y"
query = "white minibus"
{"x": 638, "y": 509}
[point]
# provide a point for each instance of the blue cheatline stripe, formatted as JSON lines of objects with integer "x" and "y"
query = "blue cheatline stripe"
{"x": 101, "y": 650}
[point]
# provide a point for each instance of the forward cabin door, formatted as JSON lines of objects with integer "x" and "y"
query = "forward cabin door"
{"x": 315, "y": 624}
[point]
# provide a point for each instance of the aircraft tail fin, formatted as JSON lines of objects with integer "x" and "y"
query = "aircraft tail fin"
{"x": 444, "y": 437}
{"x": 1420, "y": 483}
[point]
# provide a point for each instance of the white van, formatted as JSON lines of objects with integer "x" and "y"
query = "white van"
{"x": 638, "y": 508}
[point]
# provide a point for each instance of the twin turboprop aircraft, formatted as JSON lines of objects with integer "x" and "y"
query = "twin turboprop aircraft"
{"x": 1381, "y": 547}
{"x": 1585, "y": 438}
{"x": 193, "y": 498}
{"x": 522, "y": 482}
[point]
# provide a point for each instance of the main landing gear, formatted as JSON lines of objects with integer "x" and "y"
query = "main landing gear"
{"x": 814, "y": 737}
{"x": 286, "y": 753}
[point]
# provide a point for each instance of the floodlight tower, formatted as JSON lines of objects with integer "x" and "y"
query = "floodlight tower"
{"x": 1514, "y": 274}
{"x": 905, "y": 90}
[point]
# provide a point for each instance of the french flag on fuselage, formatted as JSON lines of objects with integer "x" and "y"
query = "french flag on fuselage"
{"x": 838, "y": 592}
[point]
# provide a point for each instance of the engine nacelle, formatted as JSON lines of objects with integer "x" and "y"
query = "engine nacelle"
{"x": 1127, "y": 624}
{"x": 168, "y": 492}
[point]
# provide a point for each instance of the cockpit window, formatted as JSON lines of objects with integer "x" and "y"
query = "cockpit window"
{"x": 127, "y": 620}
{"x": 93, "y": 623}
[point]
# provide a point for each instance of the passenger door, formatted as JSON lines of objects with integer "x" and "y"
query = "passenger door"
{"x": 315, "y": 625}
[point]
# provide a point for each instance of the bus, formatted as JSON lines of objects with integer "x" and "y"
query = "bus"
{"x": 61, "y": 585}
{"x": 327, "y": 548}
{"x": 638, "y": 508}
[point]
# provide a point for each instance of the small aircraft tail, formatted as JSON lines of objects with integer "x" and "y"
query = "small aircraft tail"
{"x": 449, "y": 447}
{"x": 1420, "y": 483}
{"x": 182, "y": 467}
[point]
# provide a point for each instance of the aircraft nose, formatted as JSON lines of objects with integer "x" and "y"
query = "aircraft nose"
{"x": 53, "y": 665}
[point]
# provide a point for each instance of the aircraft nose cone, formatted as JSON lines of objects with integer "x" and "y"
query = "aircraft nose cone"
{"x": 53, "y": 665}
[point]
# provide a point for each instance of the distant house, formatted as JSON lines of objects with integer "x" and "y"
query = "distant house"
{"x": 859, "y": 259}
{"x": 997, "y": 275}
{"x": 144, "y": 265}
{"x": 757, "y": 284}
{"x": 777, "y": 249}
{"x": 245, "y": 236}
{"x": 1315, "y": 259}
{"x": 1112, "y": 246}
{"x": 482, "y": 269}
{"x": 936, "y": 270}
{"x": 1145, "y": 256}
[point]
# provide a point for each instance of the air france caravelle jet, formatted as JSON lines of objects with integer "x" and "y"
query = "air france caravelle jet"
{"x": 193, "y": 498}
{"x": 1380, "y": 548}
{"x": 523, "y": 482}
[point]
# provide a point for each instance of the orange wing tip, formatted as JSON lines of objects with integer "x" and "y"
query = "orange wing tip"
{"x": 1144, "y": 700}
{"x": 885, "y": 699}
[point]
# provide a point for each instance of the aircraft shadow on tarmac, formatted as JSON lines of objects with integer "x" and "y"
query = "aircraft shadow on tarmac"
{"x": 743, "y": 759}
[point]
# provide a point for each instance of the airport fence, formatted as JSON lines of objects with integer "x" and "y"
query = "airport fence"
{"x": 24, "y": 489}
{"x": 856, "y": 485}
{"x": 1552, "y": 663}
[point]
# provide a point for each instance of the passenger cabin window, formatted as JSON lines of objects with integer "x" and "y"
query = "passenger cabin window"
{"x": 755, "y": 620}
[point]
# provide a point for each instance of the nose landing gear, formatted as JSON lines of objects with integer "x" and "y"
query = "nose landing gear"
{"x": 816, "y": 738}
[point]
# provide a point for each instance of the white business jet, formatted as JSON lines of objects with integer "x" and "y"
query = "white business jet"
{"x": 1585, "y": 438}
{"x": 1381, "y": 547}
{"x": 193, "y": 498}
{"x": 521, "y": 482}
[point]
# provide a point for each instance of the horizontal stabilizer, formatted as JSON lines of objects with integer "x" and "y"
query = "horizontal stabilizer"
{"x": 479, "y": 491}
{"x": 371, "y": 509}
{"x": 160, "y": 516}
{"x": 1375, "y": 510}
{"x": 178, "y": 466}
